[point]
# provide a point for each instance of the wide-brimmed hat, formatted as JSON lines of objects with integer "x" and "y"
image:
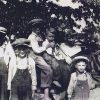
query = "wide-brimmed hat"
{"x": 21, "y": 42}
{"x": 80, "y": 58}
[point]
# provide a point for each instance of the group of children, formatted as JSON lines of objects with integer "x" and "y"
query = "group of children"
{"x": 18, "y": 71}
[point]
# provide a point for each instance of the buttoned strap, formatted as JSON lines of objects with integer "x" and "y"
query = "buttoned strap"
{"x": 27, "y": 60}
{"x": 17, "y": 61}
{"x": 84, "y": 73}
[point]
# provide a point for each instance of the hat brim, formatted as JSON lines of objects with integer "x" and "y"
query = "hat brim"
{"x": 3, "y": 30}
{"x": 24, "y": 46}
{"x": 35, "y": 21}
{"x": 21, "y": 41}
{"x": 80, "y": 58}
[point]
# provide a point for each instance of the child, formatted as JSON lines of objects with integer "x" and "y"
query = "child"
{"x": 6, "y": 53}
{"x": 22, "y": 74}
{"x": 81, "y": 81}
{"x": 39, "y": 46}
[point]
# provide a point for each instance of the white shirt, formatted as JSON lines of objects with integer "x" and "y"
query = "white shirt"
{"x": 7, "y": 52}
{"x": 22, "y": 63}
{"x": 34, "y": 44}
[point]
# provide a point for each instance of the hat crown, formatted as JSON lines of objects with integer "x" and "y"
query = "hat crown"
{"x": 21, "y": 42}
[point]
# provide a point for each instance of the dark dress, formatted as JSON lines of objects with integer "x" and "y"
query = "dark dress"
{"x": 3, "y": 80}
{"x": 21, "y": 85}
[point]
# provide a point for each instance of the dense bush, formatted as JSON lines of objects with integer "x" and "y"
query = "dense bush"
{"x": 71, "y": 24}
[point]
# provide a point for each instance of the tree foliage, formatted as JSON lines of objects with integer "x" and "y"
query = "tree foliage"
{"x": 71, "y": 24}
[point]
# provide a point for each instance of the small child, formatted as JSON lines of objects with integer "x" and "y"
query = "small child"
{"x": 22, "y": 74}
{"x": 81, "y": 81}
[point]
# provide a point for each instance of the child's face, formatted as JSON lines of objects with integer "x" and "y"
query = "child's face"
{"x": 80, "y": 66}
{"x": 22, "y": 53}
{"x": 50, "y": 37}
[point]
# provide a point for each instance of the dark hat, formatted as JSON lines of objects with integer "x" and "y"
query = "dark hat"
{"x": 80, "y": 58}
{"x": 36, "y": 21}
{"x": 21, "y": 42}
{"x": 22, "y": 47}
{"x": 3, "y": 30}
{"x": 3, "y": 36}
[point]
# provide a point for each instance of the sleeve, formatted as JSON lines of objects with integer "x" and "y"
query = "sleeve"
{"x": 91, "y": 82}
{"x": 41, "y": 62}
{"x": 71, "y": 86}
{"x": 32, "y": 71}
{"x": 9, "y": 53}
{"x": 35, "y": 46}
{"x": 10, "y": 72}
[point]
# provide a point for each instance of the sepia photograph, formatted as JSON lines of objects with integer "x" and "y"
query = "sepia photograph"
{"x": 49, "y": 49}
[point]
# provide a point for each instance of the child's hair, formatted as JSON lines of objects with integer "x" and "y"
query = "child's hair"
{"x": 51, "y": 30}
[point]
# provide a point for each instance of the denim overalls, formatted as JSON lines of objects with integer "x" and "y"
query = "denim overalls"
{"x": 81, "y": 90}
{"x": 21, "y": 85}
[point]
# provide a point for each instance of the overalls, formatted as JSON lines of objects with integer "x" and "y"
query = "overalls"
{"x": 81, "y": 90}
{"x": 21, "y": 85}
{"x": 3, "y": 80}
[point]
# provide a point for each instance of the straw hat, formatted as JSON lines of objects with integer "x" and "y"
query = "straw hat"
{"x": 80, "y": 58}
{"x": 21, "y": 42}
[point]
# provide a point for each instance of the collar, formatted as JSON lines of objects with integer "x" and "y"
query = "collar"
{"x": 77, "y": 73}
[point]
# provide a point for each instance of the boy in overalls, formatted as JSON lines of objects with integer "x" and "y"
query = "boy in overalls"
{"x": 22, "y": 74}
{"x": 81, "y": 81}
